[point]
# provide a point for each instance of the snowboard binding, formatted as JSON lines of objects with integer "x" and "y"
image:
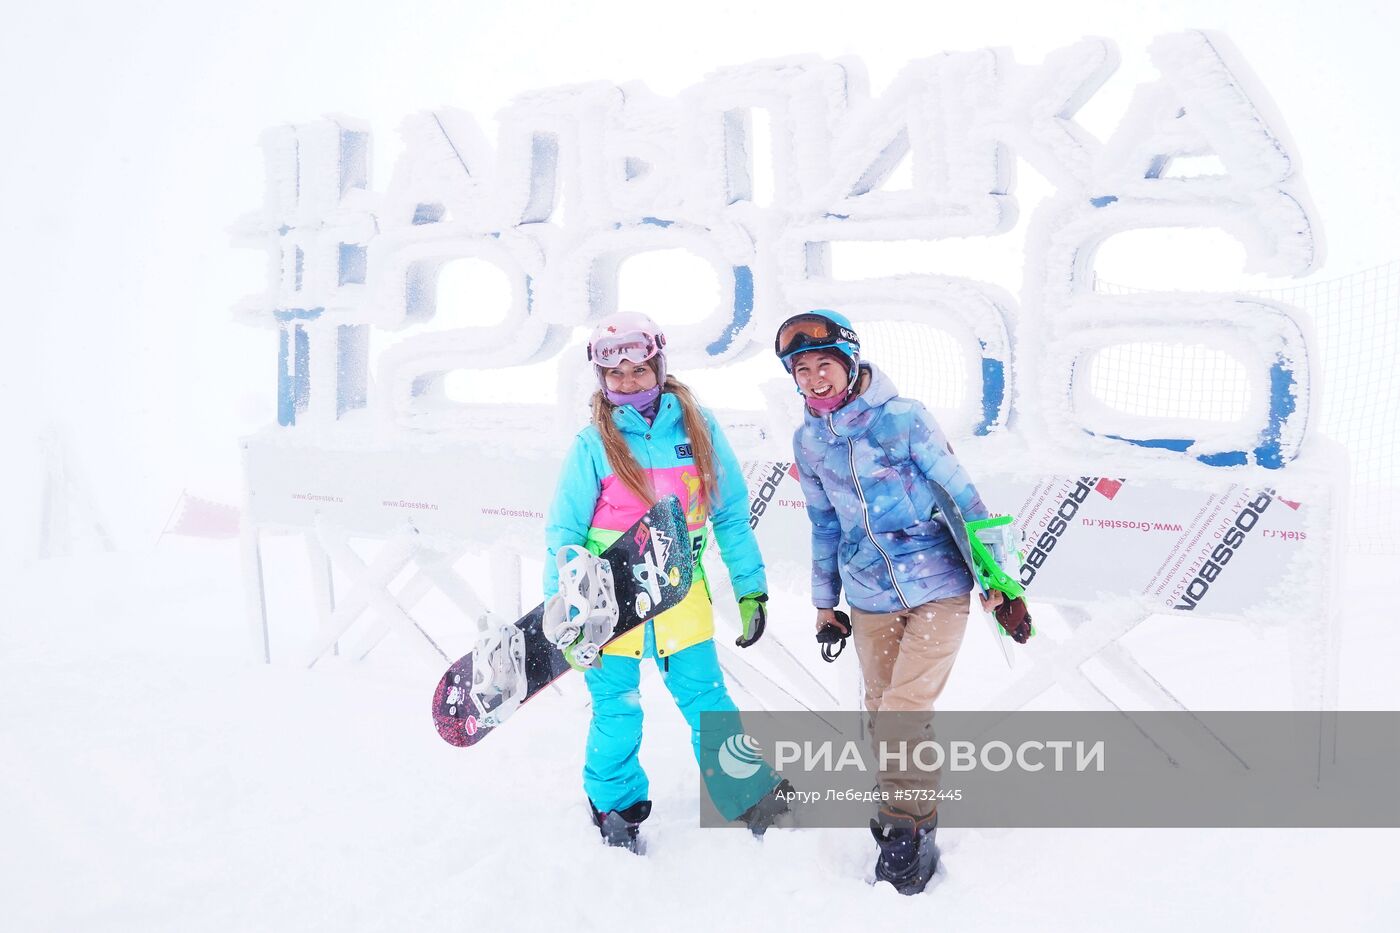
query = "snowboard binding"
{"x": 995, "y": 546}
{"x": 499, "y": 683}
{"x": 581, "y": 618}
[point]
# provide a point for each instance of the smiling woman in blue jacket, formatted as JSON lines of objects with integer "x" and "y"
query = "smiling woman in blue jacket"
{"x": 649, "y": 438}
{"x": 868, "y": 459}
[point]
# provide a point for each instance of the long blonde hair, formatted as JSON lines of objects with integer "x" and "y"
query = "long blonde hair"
{"x": 697, "y": 431}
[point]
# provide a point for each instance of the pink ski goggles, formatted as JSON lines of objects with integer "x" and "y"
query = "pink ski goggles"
{"x": 631, "y": 347}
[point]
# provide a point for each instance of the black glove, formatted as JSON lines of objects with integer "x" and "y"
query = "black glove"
{"x": 834, "y": 633}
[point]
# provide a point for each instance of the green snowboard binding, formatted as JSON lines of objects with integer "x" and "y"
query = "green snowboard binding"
{"x": 992, "y": 543}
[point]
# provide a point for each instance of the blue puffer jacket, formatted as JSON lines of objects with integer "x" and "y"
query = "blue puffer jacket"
{"x": 866, "y": 470}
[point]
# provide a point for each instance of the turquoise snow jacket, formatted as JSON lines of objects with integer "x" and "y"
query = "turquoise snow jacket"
{"x": 593, "y": 508}
{"x": 866, "y": 470}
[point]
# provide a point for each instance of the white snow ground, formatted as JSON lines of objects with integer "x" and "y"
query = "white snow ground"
{"x": 154, "y": 777}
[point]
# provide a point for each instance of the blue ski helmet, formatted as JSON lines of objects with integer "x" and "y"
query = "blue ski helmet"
{"x": 817, "y": 330}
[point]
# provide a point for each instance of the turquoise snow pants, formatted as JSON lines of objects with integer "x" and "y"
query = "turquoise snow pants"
{"x": 612, "y": 776}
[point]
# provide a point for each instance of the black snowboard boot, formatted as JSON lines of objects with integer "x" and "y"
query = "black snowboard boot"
{"x": 759, "y": 817}
{"x": 619, "y": 827}
{"x": 908, "y": 855}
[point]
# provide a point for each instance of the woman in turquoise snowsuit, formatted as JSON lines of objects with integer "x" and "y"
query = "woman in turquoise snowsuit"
{"x": 649, "y": 438}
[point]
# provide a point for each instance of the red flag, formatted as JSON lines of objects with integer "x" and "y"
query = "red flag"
{"x": 204, "y": 518}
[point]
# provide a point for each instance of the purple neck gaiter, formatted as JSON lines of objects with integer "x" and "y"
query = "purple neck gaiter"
{"x": 648, "y": 403}
{"x": 645, "y": 402}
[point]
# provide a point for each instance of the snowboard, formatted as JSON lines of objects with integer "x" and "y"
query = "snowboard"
{"x": 651, "y": 571}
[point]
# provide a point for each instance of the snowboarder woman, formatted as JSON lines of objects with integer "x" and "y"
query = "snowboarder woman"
{"x": 869, "y": 461}
{"x": 649, "y": 437}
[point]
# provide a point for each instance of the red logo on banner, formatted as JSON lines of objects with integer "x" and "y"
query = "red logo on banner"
{"x": 1108, "y": 488}
{"x": 1292, "y": 505}
{"x": 792, "y": 471}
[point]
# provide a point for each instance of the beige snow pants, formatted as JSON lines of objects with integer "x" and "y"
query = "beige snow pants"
{"x": 905, "y": 660}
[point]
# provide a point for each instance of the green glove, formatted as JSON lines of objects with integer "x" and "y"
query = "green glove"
{"x": 753, "y": 616}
